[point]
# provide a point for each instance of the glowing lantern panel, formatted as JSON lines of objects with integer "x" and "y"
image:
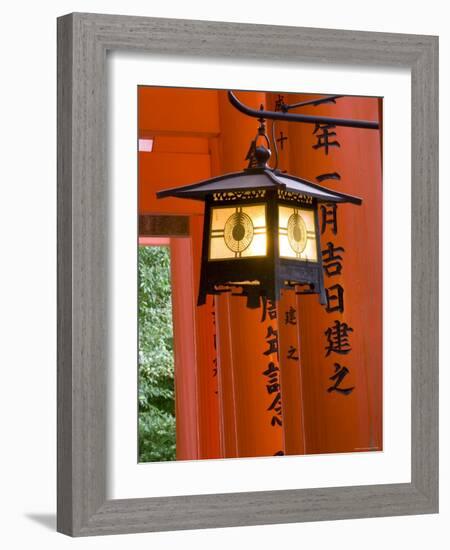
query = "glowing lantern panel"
{"x": 296, "y": 232}
{"x": 238, "y": 232}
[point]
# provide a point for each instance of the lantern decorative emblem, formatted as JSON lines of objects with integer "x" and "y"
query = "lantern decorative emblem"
{"x": 261, "y": 230}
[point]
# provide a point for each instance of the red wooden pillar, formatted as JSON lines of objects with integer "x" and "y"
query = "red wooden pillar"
{"x": 226, "y": 383}
{"x": 206, "y": 359}
{"x": 346, "y": 417}
{"x": 289, "y": 339}
{"x": 248, "y": 359}
{"x": 186, "y": 411}
{"x": 291, "y": 377}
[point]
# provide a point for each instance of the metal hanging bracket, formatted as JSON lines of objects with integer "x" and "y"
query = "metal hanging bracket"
{"x": 294, "y": 117}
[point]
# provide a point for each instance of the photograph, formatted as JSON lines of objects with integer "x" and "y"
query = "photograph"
{"x": 260, "y": 276}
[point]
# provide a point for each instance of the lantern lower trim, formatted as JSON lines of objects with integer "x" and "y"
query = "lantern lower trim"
{"x": 305, "y": 279}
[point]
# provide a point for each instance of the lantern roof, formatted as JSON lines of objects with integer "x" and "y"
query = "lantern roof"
{"x": 253, "y": 179}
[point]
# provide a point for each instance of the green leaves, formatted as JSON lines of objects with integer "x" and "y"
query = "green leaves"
{"x": 156, "y": 436}
{"x": 156, "y": 364}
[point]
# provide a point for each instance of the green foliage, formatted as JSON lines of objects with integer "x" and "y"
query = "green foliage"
{"x": 156, "y": 365}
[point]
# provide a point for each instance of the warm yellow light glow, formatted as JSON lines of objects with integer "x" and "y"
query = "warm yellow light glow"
{"x": 238, "y": 232}
{"x": 296, "y": 233}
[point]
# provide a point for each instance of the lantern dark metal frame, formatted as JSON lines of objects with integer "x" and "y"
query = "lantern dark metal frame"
{"x": 265, "y": 276}
{"x": 260, "y": 276}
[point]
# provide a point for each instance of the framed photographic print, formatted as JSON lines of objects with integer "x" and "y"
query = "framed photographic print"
{"x": 247, "y": 274}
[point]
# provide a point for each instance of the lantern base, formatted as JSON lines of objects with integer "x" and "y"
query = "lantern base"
{"x": 257, "y": 290}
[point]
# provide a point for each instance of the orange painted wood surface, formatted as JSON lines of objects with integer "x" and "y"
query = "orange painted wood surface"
{"x": 206, "y": 357}
{"x": 184, "y": 336}
{"x": 177, "y": 111}
{"x": 291, "y": 374}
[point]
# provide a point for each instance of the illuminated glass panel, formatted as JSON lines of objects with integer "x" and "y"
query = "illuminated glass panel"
{"x": 238, "y": 232}
{"x": 297, "y": 236}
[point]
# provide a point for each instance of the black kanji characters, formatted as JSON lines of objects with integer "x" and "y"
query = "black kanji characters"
{"x": 338, "y": 338}
{"x": 340, "y": 372}
{"x": 325, "y": 137}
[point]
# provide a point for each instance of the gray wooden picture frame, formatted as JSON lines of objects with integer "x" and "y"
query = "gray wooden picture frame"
{"x": 83, "y": 41}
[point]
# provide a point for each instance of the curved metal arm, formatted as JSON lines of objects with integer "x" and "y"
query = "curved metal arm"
{"x": 293, "y": 117}
{"x": 314, "y": 102}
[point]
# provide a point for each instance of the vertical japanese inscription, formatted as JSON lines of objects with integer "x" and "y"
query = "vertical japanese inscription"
{"x": 272, "y": 373}
{"x": 338, "y": 334}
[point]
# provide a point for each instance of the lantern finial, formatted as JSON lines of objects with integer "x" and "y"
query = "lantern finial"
{"x": 258, "y": 155}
